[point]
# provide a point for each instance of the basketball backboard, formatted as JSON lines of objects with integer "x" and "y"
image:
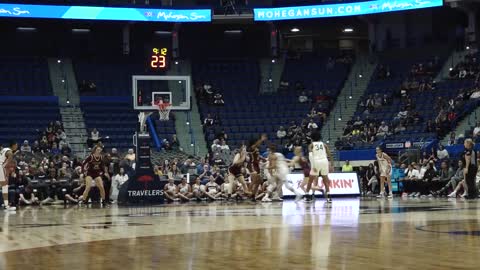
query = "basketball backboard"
{"x": 148, "y": 90}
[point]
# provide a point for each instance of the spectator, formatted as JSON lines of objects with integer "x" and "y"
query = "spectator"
{"x": 208, "y": 121}
{"x": 174, "y": 144}
{"x": 55, "y": 150}
{"x": 61, "y": 135}
{"x": 281, "y": 134}
{"x": 430, "y": 127}
{"x": 223, "y": 146}
{"x": 347, "y": 167}
{"x": 302, "y": 98}
{"x": 66, "y": 150}
{"x": 94, "y": 138}
{"x": 442, "y": 153}
{"x": 130, "y": 158}
{"x": 216, "y": 145}
{"x": 452, "y": 138}
{"x": 312, "y": 125}
{"x": 476, "y": 130}
{"x": 371, "y": 177}
{"x": 402, "y": 115}
{"x": 26, "y": 147}
{"x": 222, "y": 135}
{"x": 65, "y": 172}
{"x": 218, "y": 99}
{"x": 284, "y": 85}
{"x": 158, "y": 170}
{"x": 117, "y": 182}
{"x": 453, "y": 181}
{"x": 445, "y": 173}
{"x": 174, "y": 173}
{"x": 400, "y": 128}
{"x": 382, "y": 130}
{"x": 205, "y": 175}
{"x": 114, "y": 161}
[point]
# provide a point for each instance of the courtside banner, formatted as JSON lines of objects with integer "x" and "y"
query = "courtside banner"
{"x": 105, "y": 13}
{"x": 338, "y": 10}
{"x": 340, "y": 183}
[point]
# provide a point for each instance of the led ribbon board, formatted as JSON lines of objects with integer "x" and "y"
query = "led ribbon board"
{"x": 338, "y": 10}
{"x": 105, "y": 13}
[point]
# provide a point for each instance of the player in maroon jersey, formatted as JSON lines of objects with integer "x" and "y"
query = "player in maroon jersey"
{"x": 95, "y": 167}
{"x": 300, "y": 162}
{"x": 253, "y": 165}
{"x": 235, "y": 171}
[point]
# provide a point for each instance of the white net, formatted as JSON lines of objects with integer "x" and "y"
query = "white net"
{"x": 164, "y": 111}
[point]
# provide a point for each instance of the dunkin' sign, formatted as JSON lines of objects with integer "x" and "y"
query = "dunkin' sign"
{"x": 340, "y": 183}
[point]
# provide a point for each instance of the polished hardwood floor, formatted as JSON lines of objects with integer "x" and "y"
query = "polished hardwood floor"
{"x": 349, "y": 234}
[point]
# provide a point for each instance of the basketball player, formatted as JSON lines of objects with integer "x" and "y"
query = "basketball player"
{"x": 277, "y": 171}
{"x": 235, "y": 171}
{"x": 385, "y": 166}
{"x": 95, "y": 167}
{"x": 320, "y": 162}
{"x": 254, "y": 165}
{"x": 300, "y": 162}
{"x": 7, "y": 168}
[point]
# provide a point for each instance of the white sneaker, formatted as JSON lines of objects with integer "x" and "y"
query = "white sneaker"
{"x": 381, "y": 195}
{"x": 266, "y": 199}
{"x": 452, "y": 195}
{"x": 390, "y": 195}
{"x": 464, "y": 195}
{"x": 10, "y": 208}
{"x": 298, "y": 197}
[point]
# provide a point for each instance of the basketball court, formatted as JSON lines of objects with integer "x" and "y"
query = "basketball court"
{"x": 349, "y": 234}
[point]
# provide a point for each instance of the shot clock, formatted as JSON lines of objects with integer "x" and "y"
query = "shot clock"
{"x": 159, "y": 58}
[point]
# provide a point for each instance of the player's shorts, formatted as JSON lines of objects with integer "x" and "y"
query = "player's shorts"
{"x": 282, "y": 173}
{"x": 385, "y": 171}
{"x": 319, "y": 167}
{"x": 2, "y": 174}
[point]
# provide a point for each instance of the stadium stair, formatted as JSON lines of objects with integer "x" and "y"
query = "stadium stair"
{"x": 75, "y": 128}
{"x": 345, "y": 107}
{"x": 191, "y": 133}
{"x": 64, "y": 85}
{"x": 273, "y": 71}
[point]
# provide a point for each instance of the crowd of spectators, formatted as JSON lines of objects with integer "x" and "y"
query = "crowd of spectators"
{"x": 46, "y": 177}
{"x": 207, "y": 93}
{"x": 468, "y": 68}
{"x": 86, "y": 87}
{"x": 206, "y": 180}
{"x": 434, "y": 174}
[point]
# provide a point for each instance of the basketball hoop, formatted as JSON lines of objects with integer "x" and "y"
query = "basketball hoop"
{"x": 164, "y": 111}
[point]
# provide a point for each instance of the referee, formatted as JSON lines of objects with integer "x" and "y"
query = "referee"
{"x": 471, "y": 168}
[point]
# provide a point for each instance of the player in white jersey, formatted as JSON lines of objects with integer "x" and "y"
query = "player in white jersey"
{"x": 7, "y": 167}
{"x": 277, "y": 171}
{"x": 320, "y": 159}
{"x": 385, "y": 166}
